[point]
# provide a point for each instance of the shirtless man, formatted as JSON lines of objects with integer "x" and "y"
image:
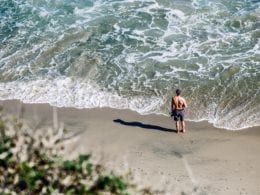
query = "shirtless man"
{"x": 177, "y": 106}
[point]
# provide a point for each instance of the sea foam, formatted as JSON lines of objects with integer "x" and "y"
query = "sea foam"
{"x": 67, "y": 92}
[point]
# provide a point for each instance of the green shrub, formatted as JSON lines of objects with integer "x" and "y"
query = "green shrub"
{"x": 42, "y": 173}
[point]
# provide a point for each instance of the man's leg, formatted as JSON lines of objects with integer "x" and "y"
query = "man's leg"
{"x": 182, "y": 121}
{"x": 178, "y": 126}
{"x": 183, "y": 126}
{"x": 177, "y": 121}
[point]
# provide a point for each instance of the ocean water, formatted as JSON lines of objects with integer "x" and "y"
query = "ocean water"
{"x": 133, "y": 54}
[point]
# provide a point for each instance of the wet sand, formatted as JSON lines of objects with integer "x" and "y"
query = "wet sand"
{"x": 204, "y": 160}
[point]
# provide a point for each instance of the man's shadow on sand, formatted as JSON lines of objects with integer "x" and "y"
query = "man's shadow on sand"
{"x": 142, "y": 125}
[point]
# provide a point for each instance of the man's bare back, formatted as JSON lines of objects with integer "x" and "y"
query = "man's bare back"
{"x": 179, "y": 102}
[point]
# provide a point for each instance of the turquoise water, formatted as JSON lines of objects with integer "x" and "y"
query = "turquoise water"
{"x": 133, "y": 54}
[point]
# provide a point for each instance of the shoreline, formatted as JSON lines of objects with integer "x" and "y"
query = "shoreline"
{"x": 161, "y": 114}
{"x": 204, "y": 159}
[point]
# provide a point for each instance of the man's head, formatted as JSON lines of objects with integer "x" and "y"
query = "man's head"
{"x": 178, "y": 92}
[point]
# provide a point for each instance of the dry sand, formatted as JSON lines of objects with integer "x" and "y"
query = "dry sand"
{"x": 205, "y": 160}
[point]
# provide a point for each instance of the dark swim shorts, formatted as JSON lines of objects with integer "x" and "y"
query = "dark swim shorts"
{"x": 178, "y": 115}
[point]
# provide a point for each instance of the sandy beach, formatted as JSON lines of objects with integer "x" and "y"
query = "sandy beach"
{"x": 205, "y": 160}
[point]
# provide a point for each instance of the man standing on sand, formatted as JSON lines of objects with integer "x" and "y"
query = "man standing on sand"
{"x": 177, "y": 106}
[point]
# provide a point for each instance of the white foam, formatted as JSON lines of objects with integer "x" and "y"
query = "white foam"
{"x": 89, "y": 13}
{"x": 67, "y": 92}
{"x": 43, "y": 13}
{"x": 176, "y": 13}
